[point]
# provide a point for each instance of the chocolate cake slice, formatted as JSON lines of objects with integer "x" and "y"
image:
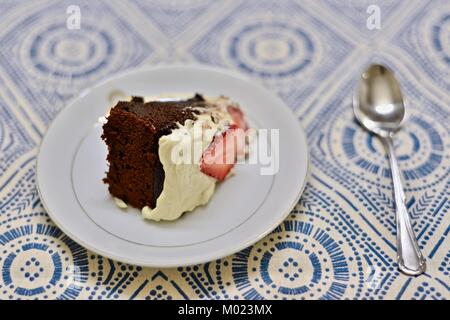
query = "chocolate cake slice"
{"x": 165, "y": 157}
{"x": 132, "y": 132}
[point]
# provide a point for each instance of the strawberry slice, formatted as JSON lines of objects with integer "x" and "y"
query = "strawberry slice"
{"x": 238, "y": 117}
{"x": 220, "y": 156}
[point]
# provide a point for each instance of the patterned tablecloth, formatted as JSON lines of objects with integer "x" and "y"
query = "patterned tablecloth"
{"x": 339, "y": 241}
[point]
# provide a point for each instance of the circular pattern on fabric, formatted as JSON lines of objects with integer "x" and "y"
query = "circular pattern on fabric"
{"x": 69, "y": 54}
{"x": 271, "y": 49}
{"x": 440, "y": 38}
{"x": 40, "y": 262}
{"x": 427, "y": 40}
{"x": 309, "y": 263}
{"x": 419, "y": 146}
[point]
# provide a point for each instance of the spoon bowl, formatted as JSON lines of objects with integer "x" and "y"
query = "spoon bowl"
{"x": 378, "y": 104}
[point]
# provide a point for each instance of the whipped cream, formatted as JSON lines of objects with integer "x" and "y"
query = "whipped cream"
{"x": 185, "y": 186}
{"x": 120, "y": 203}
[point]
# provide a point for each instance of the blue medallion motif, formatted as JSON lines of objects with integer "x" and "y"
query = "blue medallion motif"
{"x": 34, "y": 266}
{"x": 53, "y": 63}
{"x": 271, "y": 49}
{"x": 295, "y": 268}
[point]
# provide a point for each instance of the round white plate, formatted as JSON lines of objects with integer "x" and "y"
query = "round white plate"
{"x": 245, "y": 208}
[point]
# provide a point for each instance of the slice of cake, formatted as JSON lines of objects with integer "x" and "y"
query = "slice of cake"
{"x": 165, "y": 157}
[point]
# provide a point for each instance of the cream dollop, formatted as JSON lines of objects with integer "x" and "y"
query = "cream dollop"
{"x": 120, "y": 203}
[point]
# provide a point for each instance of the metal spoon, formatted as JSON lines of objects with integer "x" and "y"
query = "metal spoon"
{"x": 378, "y": 105}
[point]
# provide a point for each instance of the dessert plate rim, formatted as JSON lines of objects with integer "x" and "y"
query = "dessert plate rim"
{"x": 87, "y": 241}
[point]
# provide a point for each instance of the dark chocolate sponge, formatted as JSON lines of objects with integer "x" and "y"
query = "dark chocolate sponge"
{"x": 132, "y": 132}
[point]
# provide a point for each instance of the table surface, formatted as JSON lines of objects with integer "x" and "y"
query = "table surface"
{"x": 339, "y": 241}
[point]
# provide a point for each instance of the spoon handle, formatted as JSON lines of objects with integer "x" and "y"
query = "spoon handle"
{"x": 410, "y": 259}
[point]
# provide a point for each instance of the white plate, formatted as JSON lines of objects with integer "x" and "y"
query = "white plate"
{"x": 245, "y": 208}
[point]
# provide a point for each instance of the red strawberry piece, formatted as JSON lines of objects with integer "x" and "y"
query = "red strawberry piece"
{"x": 220, "y": 156}
{"x": 240, "y": 137}
{"x": 238, "y": 117}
